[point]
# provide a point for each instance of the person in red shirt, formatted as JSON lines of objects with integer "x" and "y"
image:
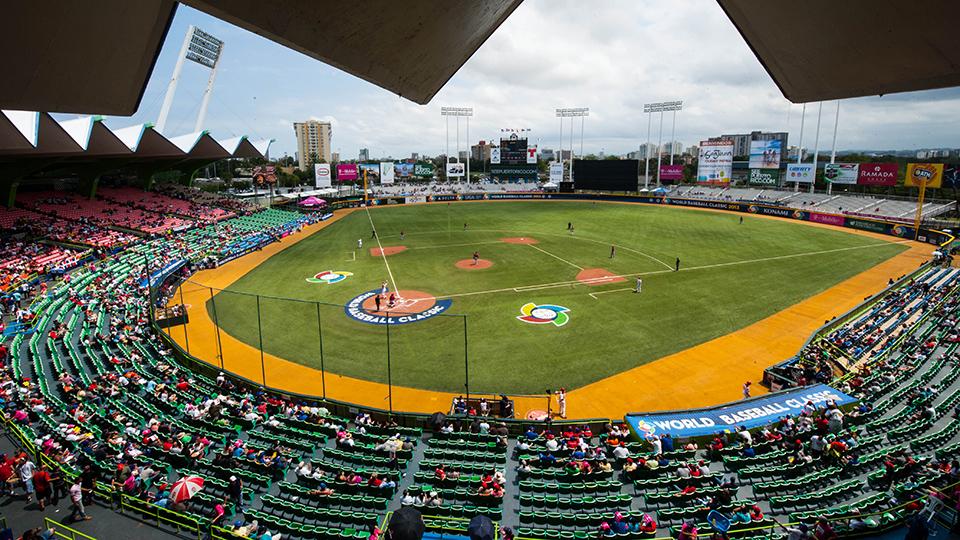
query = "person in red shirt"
{"x": 6, "y": 473}
{"x": 41, "y": 485}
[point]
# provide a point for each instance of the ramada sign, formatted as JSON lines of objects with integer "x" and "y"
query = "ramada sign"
{"x": 877, "y": 174}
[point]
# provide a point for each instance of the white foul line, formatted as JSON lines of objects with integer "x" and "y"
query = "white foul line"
{"x": 555, "y": 257}
{"x": 593, "y": 294}
{"x": 382, "y": 254}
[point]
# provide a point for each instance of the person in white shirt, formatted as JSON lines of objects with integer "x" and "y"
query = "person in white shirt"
{"x": 621, "y": 452}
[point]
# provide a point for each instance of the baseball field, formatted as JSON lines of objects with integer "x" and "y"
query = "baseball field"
{"x": 543, "y": 307}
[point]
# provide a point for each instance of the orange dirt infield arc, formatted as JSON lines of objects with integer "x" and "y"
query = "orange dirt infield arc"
{"x": 598, "y": 276}
{"x": 389, "y": 250}
{"x": 704, "y": 375}
{"x": 467, "y": 264}
{"x": 410, "y": 302}
{"x": 520, "y": 240}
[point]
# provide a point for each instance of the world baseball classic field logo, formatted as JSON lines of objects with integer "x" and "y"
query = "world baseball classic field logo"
{"x": 329, "y": 277}
{"x": 544, "y": 314}
{"x": 406, "y": 307}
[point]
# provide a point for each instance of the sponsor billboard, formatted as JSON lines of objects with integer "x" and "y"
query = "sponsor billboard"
{"x": 799, "y": 172}
{"x": 764, "y": 177}
{"x": 347, "y": 171}
{"x": 519, "y": 170}
{"x": 266, "y": 174}
{"x": 765, "y": 154}
{"x": 877, "y": 174}
{"x": 369, "y": 169}
{"x": 715, "y": 163}
{"x": 841, "y": 173}
{"x": 918, "y": 174}
{"x": 556, "y": 172}
{"x": 531, "y": 155}
{"x": 404, "y": 170}
{"x": 749, "y": 414}
{"x": 495, "y": 155}
{"x": 671, "y": 173}
{"x": 423, "y": 170}
{"x": 321, "y": 174}
{"x": 386, "y": 172}
{"x": 455, "y": 170}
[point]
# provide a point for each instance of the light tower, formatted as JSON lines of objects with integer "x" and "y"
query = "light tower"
{"x": 581, "y": 112}
{"x": 457, "y": 112}
{"x": 201, "y": 48}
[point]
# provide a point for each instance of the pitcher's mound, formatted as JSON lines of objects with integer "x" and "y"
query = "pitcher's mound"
{"x": 389, "y": 250}
{"x": 598, "y": 276}
{"x": 520, "y": 240}
{"x": 467, "y": 264}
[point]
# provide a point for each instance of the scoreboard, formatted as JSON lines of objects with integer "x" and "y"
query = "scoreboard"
{"x": 513, "y": 151}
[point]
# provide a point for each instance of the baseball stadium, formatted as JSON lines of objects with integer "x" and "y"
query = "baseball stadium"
{"x": 739, "y": 345}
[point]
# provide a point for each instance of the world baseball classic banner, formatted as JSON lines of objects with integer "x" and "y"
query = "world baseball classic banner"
{"x": 749, "y": 414}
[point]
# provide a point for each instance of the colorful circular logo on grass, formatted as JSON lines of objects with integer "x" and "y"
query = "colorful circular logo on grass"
{"x": 329, "y": 276}
{"x": 544, "y": 314}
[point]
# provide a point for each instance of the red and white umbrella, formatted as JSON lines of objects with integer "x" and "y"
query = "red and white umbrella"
{"x": 185, "y": 488}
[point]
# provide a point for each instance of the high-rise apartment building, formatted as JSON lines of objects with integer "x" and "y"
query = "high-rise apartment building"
{"x": 313, "y": 142}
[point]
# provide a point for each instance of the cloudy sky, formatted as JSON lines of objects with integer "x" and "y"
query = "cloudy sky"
{"x": 610, "y": 56}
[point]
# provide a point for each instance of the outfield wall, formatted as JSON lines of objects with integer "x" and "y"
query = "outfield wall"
{"x": 890, "y": 228}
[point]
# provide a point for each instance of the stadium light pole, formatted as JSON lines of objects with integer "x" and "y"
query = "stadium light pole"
{"x": 457, "y": 112}
{"x": 833, "y": 150}
{"x": 572, "y": 113}
{"x": 803, "y": 117}
{"x": 660, "y": 107}
{"x": 673, "y": 131}
{"x": 816, "y": 148}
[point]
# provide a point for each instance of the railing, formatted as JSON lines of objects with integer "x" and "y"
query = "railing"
{"x": 63, "y": 531}
{"x": 163, "y": 516}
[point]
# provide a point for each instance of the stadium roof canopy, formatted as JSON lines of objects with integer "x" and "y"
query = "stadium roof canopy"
{"x": 96, "y": 57}
{"x": 40, "y": 138}
{"x": 818, "y": 50}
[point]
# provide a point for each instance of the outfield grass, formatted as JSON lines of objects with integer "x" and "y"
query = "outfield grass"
{"x": 733, "y": 275}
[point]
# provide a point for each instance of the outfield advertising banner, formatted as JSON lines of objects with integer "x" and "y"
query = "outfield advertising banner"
{"x": 403, "y": 170}
{"x": 715, "y": 163}
{"x": 386, "y": 172}
{"x": 877, "y": 174}
{"x": 369, "y": 169}
{"x": 531, "y": 155}
{"x": 347, "y": 171}
{"x": 799, "y": 172}
{"x": 841, "y": 173}
{"x": 764, "y": 177}
{"x": 495, "y": 155}
{"x": 423, "y": 170}
{"x": 556, "y": 172}
{"x": 671, "y": 173}
{"x": 951, "y": 176}
{"x": 930, "y": 174}
{"x": 321, "y": 174}
{"x": 455, "y": 170}
{"x": 765, "y": 154}
{"x": 828, "y": 219}
{"x": 749, "y": 414}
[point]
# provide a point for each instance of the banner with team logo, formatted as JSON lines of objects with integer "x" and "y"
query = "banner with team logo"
{"x": 386, "y": 172}
{"x": 321, "y": 173}
{"x": 799, "y": 172}
{"x": 877, "y": 174}
{"x": 715, "y": 163}
{"x": 495, "y": 155}
{"x": 841, "y": 173}
{"x": 404, "y": 170}
{"x": 749, "y": 413}
{"x": 918, "y": 174}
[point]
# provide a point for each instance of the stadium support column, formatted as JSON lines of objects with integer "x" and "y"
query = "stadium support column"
{"x": 469, "y": 151}
{"x": 646, "y": 153}
{"x": 803, "y": 117}
{"x": 172, "y": 86}
{"x": 571, "y": 149}
{"x": 833, "y": 150}
{"x": 186, "y": 337}
{"x": 673, "y": 135}
{"x": 10, "y": 189}
{"x": 816, "y": 148}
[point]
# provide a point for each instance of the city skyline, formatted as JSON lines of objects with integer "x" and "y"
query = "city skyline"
{"x": 559, "y": 54}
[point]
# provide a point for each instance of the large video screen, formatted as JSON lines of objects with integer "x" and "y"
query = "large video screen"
{"x": 605, "y": 175}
